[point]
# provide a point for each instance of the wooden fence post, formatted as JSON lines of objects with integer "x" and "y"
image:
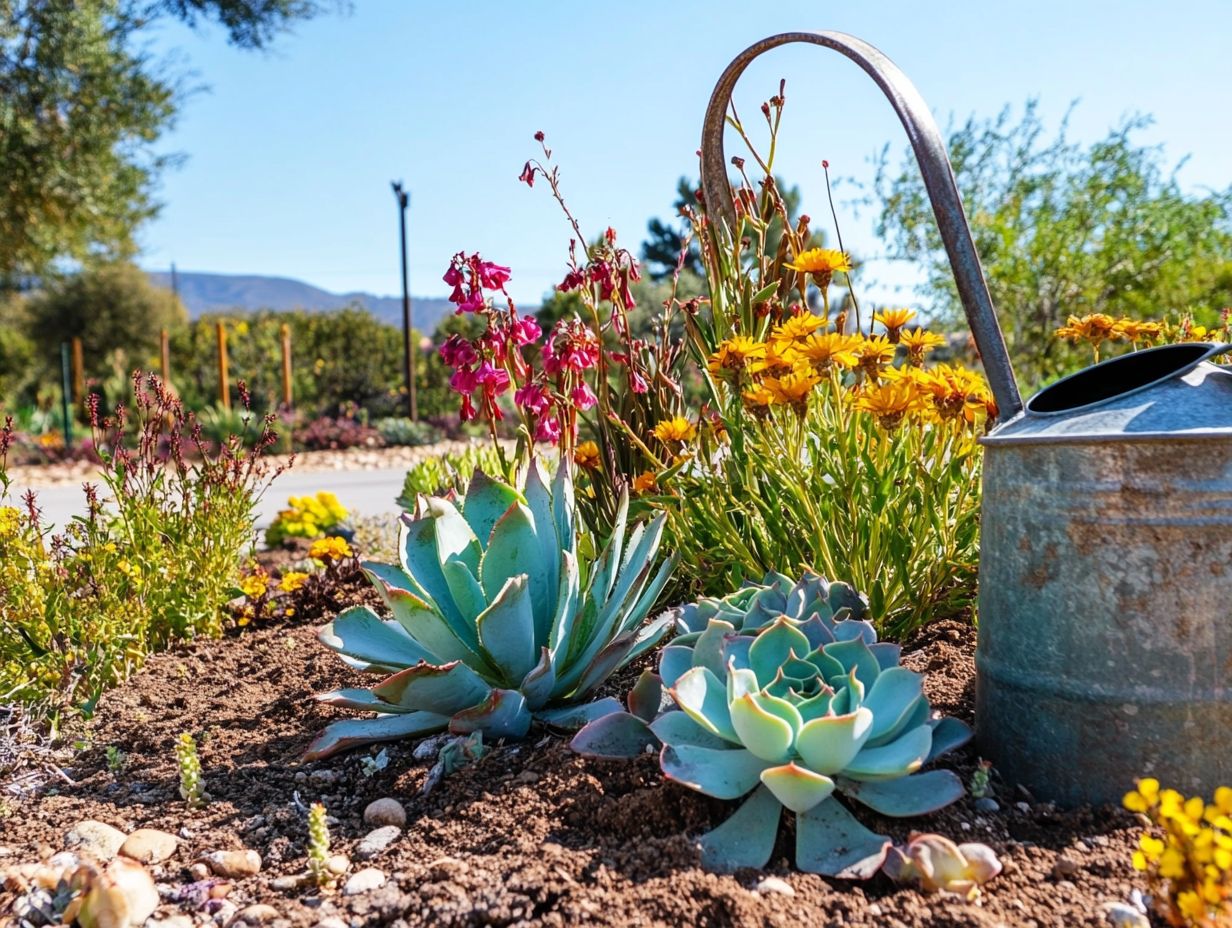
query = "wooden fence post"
{"x": 79, "y": 373}
{"x": 224, "y": 385}
{"x": 164, "y": 356}
{"x": 286, "y": 366}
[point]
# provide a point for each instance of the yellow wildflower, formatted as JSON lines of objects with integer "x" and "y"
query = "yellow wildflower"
{"x": 797, "y": 327}
{"x": 875, "y": 352}
{"x": 822, "y": 263}
{"x": 793, "y": 388}
{"x": 757, "y": 400}
{"x": 824, "y": 349}
{"x": 645, "y": 482}
{"x": 330, "y": 549}
{"x": 889, "y": 403}
{"x": 1094, "y": 328}
{"x": 1135, "y": 331}
{"x": 676, "y": 429}
{"x": 255, "y": 585}
{"x": 780, "y": 357}
{"x": 587, "y": 455}
{"x": 292, "y": 580}
{"x": 893, "y": 320}
{"x": 736, "y": 355}
{"x": 918, "y": 343}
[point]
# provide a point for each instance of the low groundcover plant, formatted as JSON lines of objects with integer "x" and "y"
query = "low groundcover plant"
{"x": 500, "y": 616}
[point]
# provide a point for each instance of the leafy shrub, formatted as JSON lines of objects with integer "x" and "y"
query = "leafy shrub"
{"x": 306, "y": 517}
{"x": 402, "y": 431}
{"x": 81, "y": 610}
{"x": 436, "y": 475}
{"x": 329, "y": 434}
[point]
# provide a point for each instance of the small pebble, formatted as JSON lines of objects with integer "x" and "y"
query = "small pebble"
{"x": 364, "y": 881}
{"x": 233, "y": 864}
{"x": 382, "y": 812}
{"x": 257, "y": 914}
{"x": 149, "y": 846}
{"x": 323, "y": 777}
{"x": 1065, "y": 867}
{"x": 172, "y": 921}
{"x": 376, "y": 841}
{"x": 526, "y": 776}
{"x": 331, "y": 921}
{"x": 94, "y": 839}
{"x": 1123, "y": 916}
{"x": 773, "y": 884}
{"x": 986, "y": 804}
{"x": 1022, "y": 807}
{"x": 199, "y": 871}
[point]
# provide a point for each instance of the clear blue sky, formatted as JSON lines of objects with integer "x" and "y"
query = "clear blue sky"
{"x": 290, "y": 153}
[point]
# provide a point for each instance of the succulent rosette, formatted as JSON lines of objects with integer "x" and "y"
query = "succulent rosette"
{"x": 499, "y": 617}
{"x": 784, "y": 697}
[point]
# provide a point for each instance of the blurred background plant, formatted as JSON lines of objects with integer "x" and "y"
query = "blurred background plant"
{"x": 312, "y": 516}
{"x": 438, "y": 474}
{"x": 154, "y": 558}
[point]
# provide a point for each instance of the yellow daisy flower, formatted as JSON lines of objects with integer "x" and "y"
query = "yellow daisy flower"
{"x": 893, "y": 320}
{"x": 918, "y": 343}
{"x": 797, "y": 327}
{"x": 677, "y": 429}
{"x": 821, "y": 263}
{"x": 292, "y": 580}
{"x": 645, "y": 482}
{"x": 587, "y": 455}
{"x": 735, "y": 355}
{"x": 330, "y": 549}
{"x": 824, "y": 349}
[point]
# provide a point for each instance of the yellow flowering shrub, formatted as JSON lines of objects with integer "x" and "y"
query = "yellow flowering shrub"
{"x": 1186, "y": 854}
{"x": 1098, "y": 329}
{"x": 330, "y": 549}
{"x": 306, "y": 517}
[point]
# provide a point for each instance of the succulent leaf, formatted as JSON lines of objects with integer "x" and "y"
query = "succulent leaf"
{"x": 904, "y": 755}
{"x": 573, "y": 717}
{"x": 917, "y": 794}
{"x": 443, "y": 689}
{"x": 828, "y": 744}
{"x": 363, "y": 635}
{"x": 417, "y": 552}
{"x": 507, "y": 629}
{"x": 700, "y": 694}
{"x": 485, "y": 502}
{"x": 830, "y": 841}
{"x": 616, "y": 735}
{"x": 796, "y": 787}
{"x": 724, "y": 773}
{"x": 502, "y": 715}
{"x": 350, "y": 733}
{"x": 747, "y": 838}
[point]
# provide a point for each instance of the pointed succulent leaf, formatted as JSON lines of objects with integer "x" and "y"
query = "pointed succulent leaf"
{"x": 723, "y": 774}
{"x": 443, "y": 690}
{"x": 736, "y": 651}
{"x": 636, "y": 567}
{"x": 796, "y": 787}
{"x": 892, "y": 698}
{"x": 646, "y": 637}
{"x": 455, "y": 540}
{"x": 700, "y": 694}
{"x": 917, "y": 794}
{"x": 904, "y": 755}
{"x": 817, "y": 705}
{"x": 817, "y": 631}
{"x": 608, "y": 562}
{"x": 764, "y": 725}
{"x": 430, "y": 629}
{"x": 390, "y": 576}
{"x": 502, "y": 715}
{"x": 350, "y": 733}
{"x": 747, "y": 838}
{"x": 603, "y": 664}
{"x": 677, "y": 728}
{"x": 417, "y": 553}
{"x": 674, "y": 663}
{"x": 566, "y": 605}
{"x": 645, "y": 700}
{"x": 851, "y": 629}
{"x": 828, "y": 744}
{"x": 466, "y": 593}
{"x": 830, "y": 841}
{"x": 537, "y": 685}
{"x": 563, "y": 508}
{"x": 618, "y": 735}
{"x": 539, "y": 502}
{"x": 361, "y": 634}
{"x": 507, "y": 630}
{"x": 650, "y": 594}
{"x": 514, "y": 551}
{"x": 774, "y": 646}
{"x": 916, "y": 716}
{"x": 948, "y": 734}
{"x": 485, "y": 502}
{"x": 573, "y": 717}
{"x": 355, "y": 698}
{"x": 708, "y": 648}
{"x": 855, "y": 655}
{"x": 887, "y": 654}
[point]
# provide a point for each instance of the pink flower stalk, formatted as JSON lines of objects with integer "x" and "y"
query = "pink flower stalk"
{"x": 526, "y": 331}
{"x": 464, "y": 381}
{"x": 457, "y": 351}
{"x": 495, "y": 380}
{"x": 583, "y": 397}
{"x": 548, "y": 430}
{"x": 491, "y": 276}
{"x": 533, "y": 398}
{"x": 473, "y": 302}
{"x": 637, "y": 383}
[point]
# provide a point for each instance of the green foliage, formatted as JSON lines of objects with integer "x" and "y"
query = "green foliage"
{"x": 79, "y": 613}
{"x": 112, "y": 308}
{"x": 503, "y": 614}
{"x": 437, "y": 474}
{"x": 318, "y": 845}
{"x": 1064, "y": 228}
{"x": 397, "y": 430}
{"x": 192, "y": 785}
{"x": 306, "y": 517}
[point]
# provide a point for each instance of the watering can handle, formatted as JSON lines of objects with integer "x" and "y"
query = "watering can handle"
{"x": 934, "y": 163}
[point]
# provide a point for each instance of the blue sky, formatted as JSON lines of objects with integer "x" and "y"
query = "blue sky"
{"x": 290, "y": 153}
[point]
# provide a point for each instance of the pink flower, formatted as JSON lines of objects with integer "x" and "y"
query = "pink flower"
{"x": 495, "y": 380}
{"x": 457, "y": 351}
{"x": 453, "y": 276}
{"x": 464, "y": 381}
{"x": 548, "y": 430}
{"x": 637, "y": 383}
{"x": 533, "y": 398}
{"x": 549, "y": 358}
{"x": 583, "y": 397}
{"x": 528, "y": 175}
{"x": 526, "y": 331}
{"x": 573, "y": 281}
{"x": 492, "y": 276}
{"x": 468, "y": 409}
{"x": 474, "y": 301}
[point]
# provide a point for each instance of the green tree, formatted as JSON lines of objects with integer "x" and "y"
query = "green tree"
{"x": 1064, "y": 228}
{"x": 115, "y": 311}
{"x": 82, "y": 102}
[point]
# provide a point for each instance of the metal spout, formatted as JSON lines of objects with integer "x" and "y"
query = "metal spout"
{"x": 935, "y": 167}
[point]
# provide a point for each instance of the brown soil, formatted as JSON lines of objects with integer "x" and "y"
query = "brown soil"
{"x": 531, "y": 834}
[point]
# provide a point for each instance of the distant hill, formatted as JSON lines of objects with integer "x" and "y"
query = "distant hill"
{"x": 204, "y": 293}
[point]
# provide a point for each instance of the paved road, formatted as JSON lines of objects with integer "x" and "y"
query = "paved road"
{"x": 366, "y": 492}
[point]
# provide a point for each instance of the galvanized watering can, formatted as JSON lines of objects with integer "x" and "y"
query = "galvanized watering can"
{"x": 1105, "y": 621}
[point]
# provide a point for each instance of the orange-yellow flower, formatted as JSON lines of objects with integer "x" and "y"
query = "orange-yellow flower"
{"x": 793, "y": 388}
{"x": 292, "y": 580}
{"x": 822, "y": 263}
{"x": 797, "y": 327}
{"x": 888, "y": 402}
{"x": 875, "y": 352}
{"x": 824, "y": 349}
{"x": 587, "y": 455}
{"x": 757, "y": 400}
{"x": 1136, "y": 331}
{"x": 957, "y": 391}
{"x": 918, "y": 343}
{"x": 735, "y": 355}
{"x": 1095, "y": 328}
{"x": 893, "y": 320}
{"x": 330, "y": 549}
{"x": 677, "y": 429}
{"x": 645, "y": 482}
{"x": 780, "y": 357}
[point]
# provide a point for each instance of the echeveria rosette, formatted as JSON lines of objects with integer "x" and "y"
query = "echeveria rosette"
{"x": 498, "y": 618}
{"x": 791, "y": 711}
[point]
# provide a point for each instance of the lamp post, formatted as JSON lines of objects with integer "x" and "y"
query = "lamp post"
{"x": 408, "y": 353}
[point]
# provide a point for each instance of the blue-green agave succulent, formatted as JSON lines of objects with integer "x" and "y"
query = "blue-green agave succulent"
{"x": 499, "y": 618}
{"x": 784, "y": 694}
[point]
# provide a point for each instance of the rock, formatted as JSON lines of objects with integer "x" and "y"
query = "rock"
{"x": 1022, "y": 807}
{"x": 1124, "y": 916}
{"x": 332, "y": 921}
{"x": 94, "y": 839}
{"x": 447, "y": 868}
{"x": 526, "y": 776}
{"x": 383, "y": 812}
{"x": 149, "y": 846}
{"x": 223, "y": 911}
{"x": 323, "y": 777}
{"x": 985, "y": 804}
{"x": 295, "y": 881}
{"x": 773, "y": 884}
{"x": 364, "y": 881}
{"x": 199, "y": 871}
{"x": 257, "y": 914}
{"x": 338, "y": 864}
{"x": 376, "y": 841}
{"x": 123, "y": 895}
{"x": 1065, "y": 867}
{"x": 171, "y": 921}
{"x": 234, "y": 865}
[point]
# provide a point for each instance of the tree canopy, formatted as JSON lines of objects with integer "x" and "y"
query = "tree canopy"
{"x": 82, "y": 103}
{"x": 1065, "y": 228}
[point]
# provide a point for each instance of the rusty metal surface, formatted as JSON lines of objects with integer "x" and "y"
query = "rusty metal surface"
{"x": 1105, "y": 640}
{"x": 930, "y": 152}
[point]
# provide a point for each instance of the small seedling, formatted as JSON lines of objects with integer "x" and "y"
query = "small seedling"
{"x": 318, "y": 845}
{"x": 192, "y": 786}
{"x": 372, "y": 765}
{"x": 117, "y": 760}
{"x": 980, "y": 778}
